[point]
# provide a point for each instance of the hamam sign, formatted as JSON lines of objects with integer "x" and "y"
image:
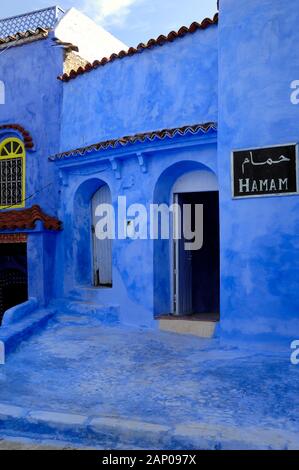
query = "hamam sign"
{"x": 265, "y": 171}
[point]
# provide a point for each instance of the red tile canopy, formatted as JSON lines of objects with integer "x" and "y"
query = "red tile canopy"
{"x": 27, "y": 218}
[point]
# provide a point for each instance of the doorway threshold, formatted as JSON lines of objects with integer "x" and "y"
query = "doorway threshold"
{"x": 213, "y": 317}
{"x": 201, "y": 325}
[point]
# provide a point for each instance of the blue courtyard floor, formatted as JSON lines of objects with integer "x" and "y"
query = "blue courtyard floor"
{"x": 180, "y": 386}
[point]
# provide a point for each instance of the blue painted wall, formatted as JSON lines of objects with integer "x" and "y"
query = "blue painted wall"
{"x": 152, "y": 90}
{"x": 258, "y": 59}
{"x": 33, "y": 100}
{"x": 141, "y": 268}
{"x": 168, "y": 86}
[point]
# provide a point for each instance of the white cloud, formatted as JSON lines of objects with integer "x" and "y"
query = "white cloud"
{"x": 108, "y": 11}
{"x": 112, "y": 7}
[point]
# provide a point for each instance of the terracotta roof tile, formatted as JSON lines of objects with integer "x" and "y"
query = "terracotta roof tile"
{"x": 137, "y": 138}
{"x": 160, "y": 41}
{"x": 43, "y": 33}
{"x": 26, "y": 219}
{"x": 28, "y": 141}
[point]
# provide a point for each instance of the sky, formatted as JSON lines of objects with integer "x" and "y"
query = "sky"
{"x": 132, "y": 21}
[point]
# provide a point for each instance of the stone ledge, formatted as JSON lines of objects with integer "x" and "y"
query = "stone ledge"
{"x": 112, "y": 432}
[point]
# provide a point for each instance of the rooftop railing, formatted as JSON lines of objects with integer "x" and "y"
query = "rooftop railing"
{"x": 46, "y": 18}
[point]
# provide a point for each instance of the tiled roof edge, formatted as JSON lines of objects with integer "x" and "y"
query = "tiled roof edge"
{"x": 26, "y": 219}
{"x": 43, "y": 33}
{"x": 137, "y": 138}
{"x": 28, "y": 141}
{"x": 160, "y": 41}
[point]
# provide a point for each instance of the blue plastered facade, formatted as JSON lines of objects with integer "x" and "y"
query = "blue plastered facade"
{"x": 236, "y": 73}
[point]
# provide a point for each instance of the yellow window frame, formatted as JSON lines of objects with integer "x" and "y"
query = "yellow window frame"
{"x": 11, "y": 155}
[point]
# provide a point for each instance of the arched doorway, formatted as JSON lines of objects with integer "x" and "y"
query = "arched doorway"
{"x": 187, "y": 282}
{"x": 93, "y": 257}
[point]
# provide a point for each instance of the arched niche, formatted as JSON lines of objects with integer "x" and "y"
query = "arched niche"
{"x": 83, "y": 230}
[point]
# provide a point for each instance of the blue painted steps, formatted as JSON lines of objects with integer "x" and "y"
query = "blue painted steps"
{"x": 75, "y": 312}
{"x": 13, "y": 334}
{"x": 86, "y": 310}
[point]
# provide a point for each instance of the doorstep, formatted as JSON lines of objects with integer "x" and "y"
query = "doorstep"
{"x": 201, "y": 325}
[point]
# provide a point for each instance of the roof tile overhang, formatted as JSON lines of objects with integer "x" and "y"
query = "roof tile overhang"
{"x": 138, "y": 138}
{"x": 26, "y": 219}
{"x": 25, "y": 37}
{"x": 160, "y": 41}
{"x": 28, "y": 141}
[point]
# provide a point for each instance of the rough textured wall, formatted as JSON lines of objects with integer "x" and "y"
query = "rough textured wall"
{"x": 168, "y": 86}
{"x": 33, "y": 100}
{"x": 259, "y": 237}
{"x": 72, "y": 61}
{"x": 141, "y": 268}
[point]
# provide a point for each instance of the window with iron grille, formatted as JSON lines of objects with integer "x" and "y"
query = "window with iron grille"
{"x": 12, "y": 173}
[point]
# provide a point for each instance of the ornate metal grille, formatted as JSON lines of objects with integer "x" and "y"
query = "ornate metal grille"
{"x": 11, "y": 181}
{"x": 12, "y": 167}
{"x": 46, "y": 18}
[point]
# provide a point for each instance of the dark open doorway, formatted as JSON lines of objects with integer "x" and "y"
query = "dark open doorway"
{"x": 197, "y": 273}
{"x": 13, "y": 275}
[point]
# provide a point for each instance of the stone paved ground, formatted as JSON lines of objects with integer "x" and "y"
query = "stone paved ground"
{"x": 77, "y": 367}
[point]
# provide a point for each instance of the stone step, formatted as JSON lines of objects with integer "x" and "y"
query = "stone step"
{"x": 83, "y": 311}
{"x": 13, "y": 334}
{"x": 202, "y": 329}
